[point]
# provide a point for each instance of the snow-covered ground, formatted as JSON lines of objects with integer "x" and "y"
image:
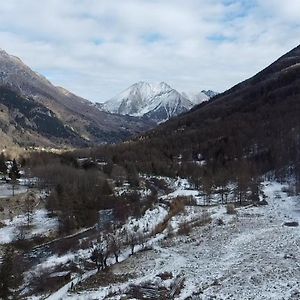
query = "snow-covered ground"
{"x": 6, "y": 190}
{"x": 41, "y": 224}
{"x": 147, "y": 223}
{"x": 252, "y": 256}
{"x": 182, "y": 188}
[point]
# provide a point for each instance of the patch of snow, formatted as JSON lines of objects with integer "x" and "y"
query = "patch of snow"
{"x": 41, "y": 225}
{"x": 148, "y": 221}
{"x": 6, "y": 190}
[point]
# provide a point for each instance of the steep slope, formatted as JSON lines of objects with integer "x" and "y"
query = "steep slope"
{"x": 80, "y": 115}
{"x": 26, "y": 123}
{"x": 257, "y": 120}
{"x": 196, "y": 98}
{"x": 158, "y": 102}
{"x": 259, "y": 116}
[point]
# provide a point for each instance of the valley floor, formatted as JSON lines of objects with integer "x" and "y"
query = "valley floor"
{"x": 251, "y": 256}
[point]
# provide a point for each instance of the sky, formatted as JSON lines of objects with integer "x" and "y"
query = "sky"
{"x": 97, "y": 48}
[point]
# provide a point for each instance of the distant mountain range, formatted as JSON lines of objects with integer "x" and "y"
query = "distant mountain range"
{"x": 157, "y": 102}
{"x": 33, "y": 112}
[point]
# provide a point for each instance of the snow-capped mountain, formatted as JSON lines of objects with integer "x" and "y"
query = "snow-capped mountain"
{"x": 209, "y": 93}
{"x": 158, "y": 102}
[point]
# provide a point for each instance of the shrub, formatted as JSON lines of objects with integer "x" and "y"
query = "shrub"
{"x": 170, "y": 231}
{"x": 204, "y": 219}
{"x": 159, "y": 228}
{"x": 289, "y": 190}
{"x": 165, "y": 275}
{"x": 177, "y": 206}
{"x": 230, "y": 209}
{"x": 190, "y": 201}
{"x": 219, "y": 222}
{"x": 184, "y": 229}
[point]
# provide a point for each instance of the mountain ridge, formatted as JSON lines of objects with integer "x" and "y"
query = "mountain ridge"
{"x": 88, "y": 123}
{"x": 156, "y": 101}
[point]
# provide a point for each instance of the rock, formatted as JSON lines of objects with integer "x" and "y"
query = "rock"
{"x": 219, "y": 222}
{"x": 291, "y": 224}
{"x": 263, "y": 202}
{"x": 289, "y": 256}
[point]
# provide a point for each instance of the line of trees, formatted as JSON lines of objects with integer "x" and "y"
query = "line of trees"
{"x": 78, "y": 192}
{"x": 111, "y": 243}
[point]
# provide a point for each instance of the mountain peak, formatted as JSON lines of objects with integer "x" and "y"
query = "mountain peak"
{"x": 4, "y": 55}
{"x": 154, "y": 86}
{"x": 157, "y": 101}
{"x": 2, "y": 52}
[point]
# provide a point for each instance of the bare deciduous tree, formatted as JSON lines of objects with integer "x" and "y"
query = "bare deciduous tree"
{"x": 132, "y": 238}
{"x": 114, "y": 245}
{"x": 28, "y": 207}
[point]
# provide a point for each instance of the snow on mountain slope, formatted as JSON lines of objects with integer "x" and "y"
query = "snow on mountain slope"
{"x": 209, "y": 93}
{"x": 196, "y": 98}
{"x": 158, "y": 102}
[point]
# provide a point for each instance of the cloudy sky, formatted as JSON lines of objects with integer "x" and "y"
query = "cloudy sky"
{"x": 97, "y": 48}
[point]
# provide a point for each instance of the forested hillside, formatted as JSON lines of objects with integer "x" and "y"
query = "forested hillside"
{"x": 249, "y": 130}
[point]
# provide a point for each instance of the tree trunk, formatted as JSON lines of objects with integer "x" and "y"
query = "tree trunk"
{"x": 105, "y": 263}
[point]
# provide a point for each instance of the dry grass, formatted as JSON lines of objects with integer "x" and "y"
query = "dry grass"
{"x": 14, "y": 206}
{"x": 177, "y": 206}
{"x": 204, "y": 218}
{"x": 184, "y": 229}
{"x": 103, "y": 279}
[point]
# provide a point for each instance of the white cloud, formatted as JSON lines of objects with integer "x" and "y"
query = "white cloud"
{"x": 288, "y": 10}
{"x": 96, "y": 48}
